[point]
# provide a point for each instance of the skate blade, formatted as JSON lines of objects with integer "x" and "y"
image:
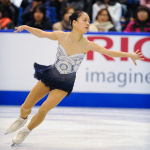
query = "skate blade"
{"x": 13, "y": 144}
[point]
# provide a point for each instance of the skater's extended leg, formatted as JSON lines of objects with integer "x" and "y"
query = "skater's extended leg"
{"x": 53, "y": 99}
{"x": 37, "y": 93}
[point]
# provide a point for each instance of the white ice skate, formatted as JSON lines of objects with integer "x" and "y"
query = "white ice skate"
{"x": 22, "y": 134}
{"x": 20, "y": 122}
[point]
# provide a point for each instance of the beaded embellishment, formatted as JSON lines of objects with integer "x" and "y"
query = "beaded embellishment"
{"x": 66, "y": 63}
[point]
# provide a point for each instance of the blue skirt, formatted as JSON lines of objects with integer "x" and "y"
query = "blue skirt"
{"x": 51, "y": 77}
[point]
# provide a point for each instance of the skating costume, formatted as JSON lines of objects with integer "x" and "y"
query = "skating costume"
{"x": 62, "y": 74}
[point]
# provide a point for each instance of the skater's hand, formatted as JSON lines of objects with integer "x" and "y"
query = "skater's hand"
{"x": 135, "y": 56}
{"x": 20, "y": 28}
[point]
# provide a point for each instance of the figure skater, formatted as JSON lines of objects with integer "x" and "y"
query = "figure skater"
{"x": 58, "y": 79}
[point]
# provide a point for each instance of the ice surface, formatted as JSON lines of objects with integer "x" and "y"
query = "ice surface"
{"x": 70, "y": 128}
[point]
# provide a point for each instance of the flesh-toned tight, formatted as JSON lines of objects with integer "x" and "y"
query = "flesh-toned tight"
{"x": 37, "y": 93}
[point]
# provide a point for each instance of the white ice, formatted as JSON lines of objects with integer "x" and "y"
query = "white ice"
{"x": 71, "y": 128}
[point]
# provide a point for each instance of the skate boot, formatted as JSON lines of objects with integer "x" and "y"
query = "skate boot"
{"x": 20, "y": 122}
{"x": 22, "y": 134}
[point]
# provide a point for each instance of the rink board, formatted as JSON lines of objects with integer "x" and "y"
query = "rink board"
{"x": 101, "y": 81}
{"x": 84, "y": 99}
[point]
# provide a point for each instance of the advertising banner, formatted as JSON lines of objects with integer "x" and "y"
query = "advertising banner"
{"x": 97, "y": 73}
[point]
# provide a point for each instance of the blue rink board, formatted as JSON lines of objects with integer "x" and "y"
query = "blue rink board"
{"x": 94, "y": 33}
{"x": 84, "y": 99}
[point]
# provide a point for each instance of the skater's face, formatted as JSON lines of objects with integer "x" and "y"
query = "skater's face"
{"x": 38, "y": 15}
{"x": 82, "y": 23}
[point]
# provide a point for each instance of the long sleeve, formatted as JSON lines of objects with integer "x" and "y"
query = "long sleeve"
{"x": 129, "y": 27}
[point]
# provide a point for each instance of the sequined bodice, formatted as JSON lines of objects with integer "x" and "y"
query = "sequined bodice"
{"x": 65, "y": 63}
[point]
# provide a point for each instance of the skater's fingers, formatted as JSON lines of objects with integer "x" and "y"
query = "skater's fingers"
{"x": 16, "y": 31}
{"x": 137, "y": 51}
{"x": 141, "y": 58}
{"x": 16, "y": 27}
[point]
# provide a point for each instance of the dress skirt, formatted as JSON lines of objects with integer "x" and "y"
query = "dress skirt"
{"x": 51, "y": 77}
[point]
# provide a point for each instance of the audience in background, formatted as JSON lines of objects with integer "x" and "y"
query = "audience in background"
{"x": 39, "y": 19}
{"x": 125, "y": 16}
{"x": 83, "y": 5}
{"x": 103, "y": 22}
{"x": 145, "y": 3}
{"x": 11, "y": 10}
{"x": 114, "y": 9}
{"x": 25, "y": 4}
{"x": 119, "y": 13}
{"x": 5, "y": 22}
{"x": 64, "y": 24}
{"x": 57, "y": 4}
{"x": 132, "y": 5}
{"x": 142, "y": 21}
{"x": 27, "y": 14}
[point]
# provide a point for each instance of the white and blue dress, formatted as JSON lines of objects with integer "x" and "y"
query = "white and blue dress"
{"x": 62, "y": 74}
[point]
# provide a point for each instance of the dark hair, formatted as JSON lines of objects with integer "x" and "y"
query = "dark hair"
{"x": 142, "y": 8}
{"x": 39, "y": 1}
{"x": 75, "y": 16}
{"x": 67, "y": 9}
{"x": 42, "y": 9}
{"x": 110, "y": 19}
{"x": 3, "y": 11}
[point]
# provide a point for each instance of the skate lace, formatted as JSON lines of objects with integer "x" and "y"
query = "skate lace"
{"x": 22, "y": 133}
{"x": 18, "y": 121}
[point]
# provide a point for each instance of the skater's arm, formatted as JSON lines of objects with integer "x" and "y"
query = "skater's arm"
{"x": 97, "y": 48}
{"x": 39, "y": 33}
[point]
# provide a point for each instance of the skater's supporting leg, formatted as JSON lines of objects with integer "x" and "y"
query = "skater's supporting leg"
{"x": 53, "y": 99}
{"x": 37, "y": 93}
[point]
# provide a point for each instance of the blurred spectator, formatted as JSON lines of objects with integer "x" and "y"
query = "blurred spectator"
{"x": 103, "y": 22}
{"x": 25, "y": 4}
{"x": 132, "y": 5}
{"x": 64, "y": 24}
{"x": 114, "y": 9}
{"x": 145, "y": 3}
{"x": 83, "y": 5}
{"x": 125, "y": 15}
{"x": 11, "y": 10}
{"x": 57, "y": 4}
{"x": 39, "y": 19}
{"x": 5, "y": 22}
{"x": 27, "y": 14}
{"x": 142, "y": 21}
{"x": 17, "y": 3}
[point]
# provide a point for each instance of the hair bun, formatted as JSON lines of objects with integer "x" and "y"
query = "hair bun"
{"x": 70, "y": 19}
{"x": 75, "y": 16}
